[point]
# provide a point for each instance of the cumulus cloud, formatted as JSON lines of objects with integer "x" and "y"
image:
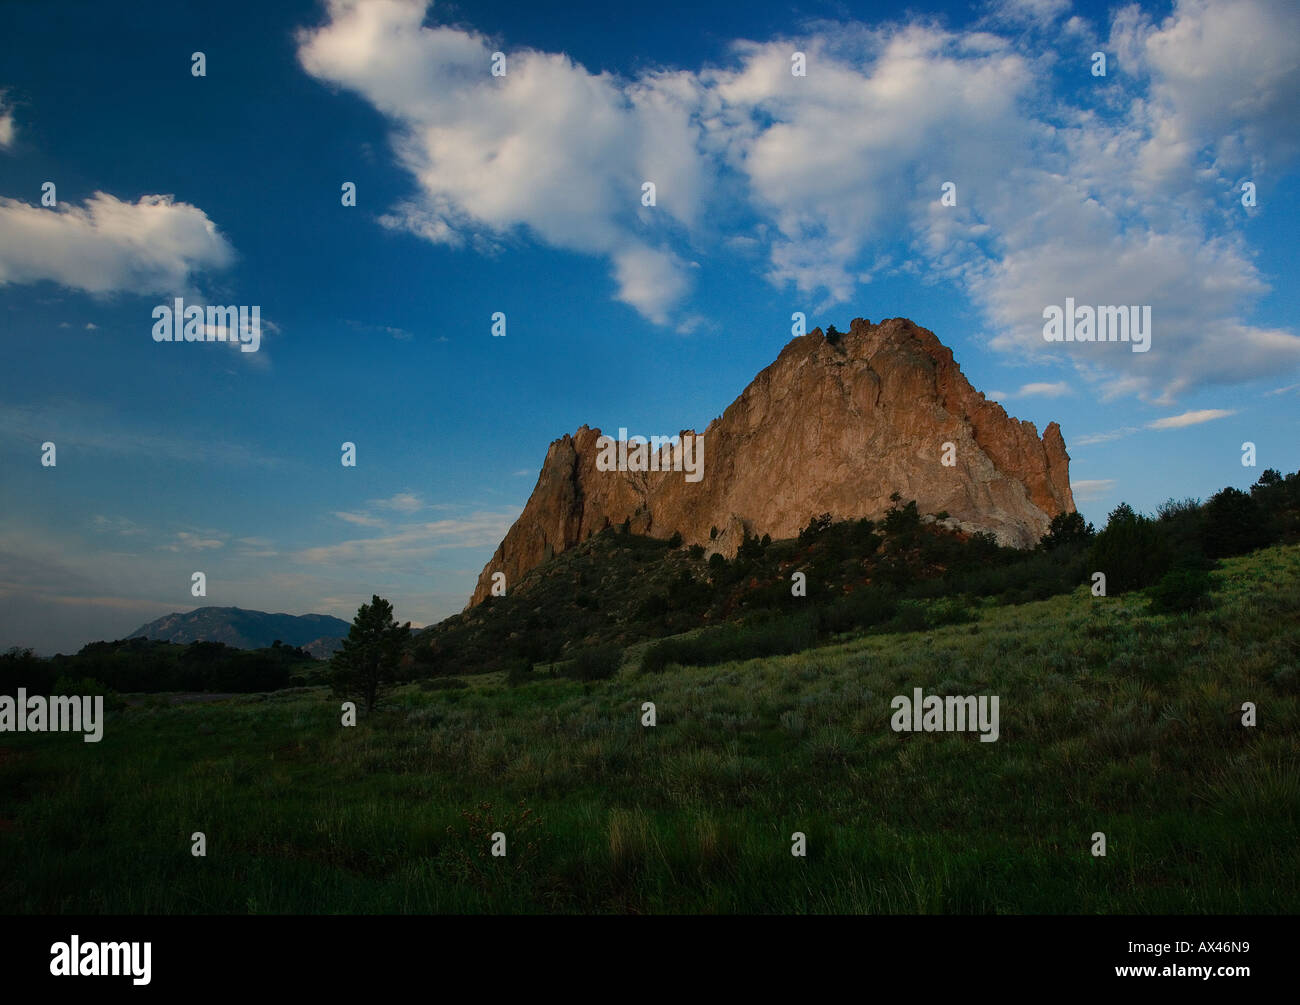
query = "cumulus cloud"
{"x": 1038, "y": 13}
{"x": 1221, "y": 72}
{"x": 153, "y": 246}
{"x": 550, "y": 148}
{"x": 1117, "y": 194}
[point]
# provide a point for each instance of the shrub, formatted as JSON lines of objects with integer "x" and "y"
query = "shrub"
{"x": 87, "y": 686}
{"x": 23, "y": 668}
{"x": 734, "y": 642}
{"x": 816, "y": 525}
{"x": 596, "y": 663}
{"x": 676, "y": 540}
{"x": 1180, "y": 590}
{"x": 902, "y": 519}
{"x": 518, "y": 671}
{"x": 1234, "y": 524}
{"x": 1067, "y": 528}
{"x": 1131, "y": 551}
{"x": 911, "y": 617}
{"x": 863, "y": 608}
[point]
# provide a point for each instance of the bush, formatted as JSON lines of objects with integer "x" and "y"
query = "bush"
{"x": 911, "y": 617}
{"x": 1234, "y": 524}
{"x": 902, "y": 520}
{"x": 863, "y": 608}
{"x": 79, "y": 686}
{"x": 1067, "y": 528}
{"x": 1181, "y": 590}
{"x": 596, "y": 663}
{"x": 676, "y": 540}
{"x": 1131, "y": 551}
{"x": 518, "y": 671}
{"x": 816, "y": 525}
{"x": 734, "y": 642}
{"x": 23, "y": 668}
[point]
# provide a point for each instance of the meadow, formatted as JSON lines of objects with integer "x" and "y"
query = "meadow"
{"x": 1114, "y": 719}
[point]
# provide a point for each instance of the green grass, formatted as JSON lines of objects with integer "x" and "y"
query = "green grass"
{"x": 1113, "y": 719}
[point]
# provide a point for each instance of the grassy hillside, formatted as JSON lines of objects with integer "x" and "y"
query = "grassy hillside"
{"x": 1112, "y": 719}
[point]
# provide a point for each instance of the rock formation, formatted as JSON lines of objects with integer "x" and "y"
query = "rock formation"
{"x": 833, "y": 425}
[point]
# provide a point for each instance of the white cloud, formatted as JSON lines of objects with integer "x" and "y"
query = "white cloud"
{"x": 7, "y": 129}
{"x": 414, "y": 542}
{"x": 1222, "y": 72}
{"x": 402, "y": 502}
{"x": 1090, "y": 489}
{"x": 116, "y": 525}
{"x": 187, "y": 541}
{"x": 1044, "y": 390}
{"x": 360, "y": 519}
{"x": 1107, "y": 437}
{"x": 1109, "y": 196}
{"x": 550, "y": 148}
{"x": 1194, "y": 418}
{"x": 155, "y": 245}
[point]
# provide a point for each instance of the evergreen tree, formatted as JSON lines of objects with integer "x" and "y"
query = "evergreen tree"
{"x": 369, "y": 659}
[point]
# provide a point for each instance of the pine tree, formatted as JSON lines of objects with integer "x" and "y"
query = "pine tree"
{"x": 371, "y": 653}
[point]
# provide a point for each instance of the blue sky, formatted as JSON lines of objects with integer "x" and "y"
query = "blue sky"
{"x": 522, "y": 194}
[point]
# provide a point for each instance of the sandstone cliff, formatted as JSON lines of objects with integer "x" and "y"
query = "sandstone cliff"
{"x": 828, "y": 427}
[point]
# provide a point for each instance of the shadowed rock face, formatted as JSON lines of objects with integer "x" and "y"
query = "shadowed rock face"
{"x": 828, "y": 427}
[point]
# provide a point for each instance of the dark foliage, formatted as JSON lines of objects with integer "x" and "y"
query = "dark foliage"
{"x": 1234, "y": 524}
{"x": 150, "y": 666}
{"x": 1132, "y": 551}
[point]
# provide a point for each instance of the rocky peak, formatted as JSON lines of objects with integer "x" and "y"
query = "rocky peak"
{"x": 832, "y": 425}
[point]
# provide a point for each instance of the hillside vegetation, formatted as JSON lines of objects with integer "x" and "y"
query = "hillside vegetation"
{"x": 1114, "y": 719}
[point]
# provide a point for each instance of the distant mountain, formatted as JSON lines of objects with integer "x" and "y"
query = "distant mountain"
{"x": 318, "y": 633}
